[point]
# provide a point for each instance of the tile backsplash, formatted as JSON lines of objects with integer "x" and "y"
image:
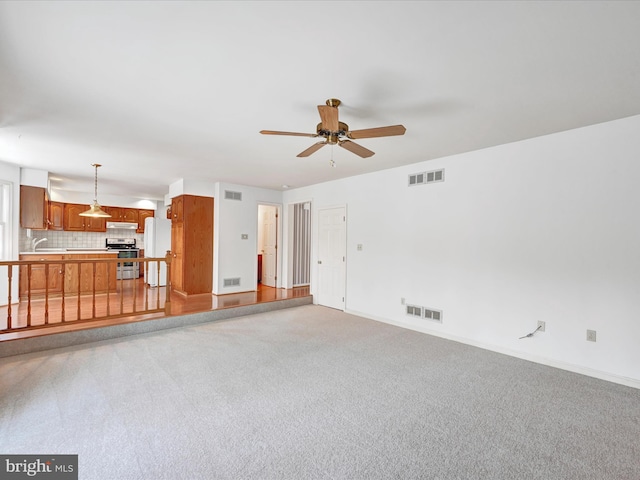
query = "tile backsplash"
{"x": 61, "y": 239}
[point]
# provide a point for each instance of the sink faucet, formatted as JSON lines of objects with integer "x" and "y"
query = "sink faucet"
{"x": 36, "y": 242}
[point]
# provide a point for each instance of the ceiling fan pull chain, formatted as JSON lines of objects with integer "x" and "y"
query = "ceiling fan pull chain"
{"x": 331, "y": 162}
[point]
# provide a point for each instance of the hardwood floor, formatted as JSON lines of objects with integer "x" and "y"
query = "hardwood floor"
{"x": 133, "y": 294}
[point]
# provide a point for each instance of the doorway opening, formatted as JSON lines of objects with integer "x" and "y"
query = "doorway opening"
{"x": 267, "y": 245}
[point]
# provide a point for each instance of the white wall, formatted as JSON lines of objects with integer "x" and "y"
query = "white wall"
{"x": 66, "y": 196}
{"x": 544, "y": 229}
{"x": 34, "y": 177}
{"x": 233, "y": 256}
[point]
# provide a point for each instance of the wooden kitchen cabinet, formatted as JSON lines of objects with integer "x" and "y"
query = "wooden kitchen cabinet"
{"x": 72, "y": 219}
{"x": 142, "y": 216}
{"x": 177, "y": 251}
{"x": 67, "y": 275}
{"x": 192, "y": 245}
{"x": 105, "y": 274}
{"x": 41, "y": 283}
{"x": 122, "y": 214}
{"x": 74, "y": 222}
{"x": 95, "y": 224}
{"x": 177, "y": 209}
{"x": 56, "y": 216}
{"x": 33, "y": 207}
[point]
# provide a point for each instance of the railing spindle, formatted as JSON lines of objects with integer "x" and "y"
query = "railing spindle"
{"x": 10, "y": 277}
{"x": 29, "y": 296}
{"x": 109, "y": 283}
{"x": 93, "y": 309}
{"x": 79, "y": 316}
{"x": 46, "y": 294}
{"x": 62, "y": 272}
{"x": 167, "y": 300}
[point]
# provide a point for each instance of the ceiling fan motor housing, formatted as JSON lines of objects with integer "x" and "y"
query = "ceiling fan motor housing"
{"x": 332, "y": 137}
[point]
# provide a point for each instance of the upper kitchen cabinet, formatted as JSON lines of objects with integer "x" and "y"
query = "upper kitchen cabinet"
{"x": 33, "y": 207}
{"x": 74, "y": 222}
{"x": 142, "y": 216}
{"x": 122, "y": 214}
{"x": 56, "y": 216}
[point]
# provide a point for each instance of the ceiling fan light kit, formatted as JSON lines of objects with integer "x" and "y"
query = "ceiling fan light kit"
{"x": 336, "y": 132}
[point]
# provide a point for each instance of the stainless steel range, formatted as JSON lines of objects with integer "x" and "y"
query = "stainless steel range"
{"x": 126, "y": 248}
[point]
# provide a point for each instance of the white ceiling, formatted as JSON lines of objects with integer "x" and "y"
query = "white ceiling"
{"x": 159, "y": 91}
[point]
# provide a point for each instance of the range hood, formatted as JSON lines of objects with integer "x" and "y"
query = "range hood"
{"x": 126, "y": 225}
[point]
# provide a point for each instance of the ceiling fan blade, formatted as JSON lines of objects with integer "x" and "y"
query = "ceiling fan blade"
{"x": 329, "y": 117}
{"x": 377, "y": 132}
{"x": 273, "y": 132}
{"x": 355, "y": 148}
{"x": 313, "y": 148}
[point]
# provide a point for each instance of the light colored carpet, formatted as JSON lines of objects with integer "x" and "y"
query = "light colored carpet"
{"x": 310, "y": 392}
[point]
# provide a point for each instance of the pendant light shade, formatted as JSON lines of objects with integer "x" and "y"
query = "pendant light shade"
{"x": 96, "y": 209}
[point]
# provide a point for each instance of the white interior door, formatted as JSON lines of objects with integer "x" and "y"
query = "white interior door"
{"x": 332, "y": 251}
{"x": 270, "y": 245}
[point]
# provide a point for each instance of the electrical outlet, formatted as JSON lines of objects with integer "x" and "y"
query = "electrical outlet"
{"x": 359, "y": 247}
{"x": 591, "y": 335}
{"x": 541, "y": 326}
{"x": 402, "y": 301}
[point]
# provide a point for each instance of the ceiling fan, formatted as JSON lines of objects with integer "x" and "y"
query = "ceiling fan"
{"x": 336, "y": 132}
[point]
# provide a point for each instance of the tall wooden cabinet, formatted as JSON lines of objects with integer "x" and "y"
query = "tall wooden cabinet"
{"x": 192, "y": 244}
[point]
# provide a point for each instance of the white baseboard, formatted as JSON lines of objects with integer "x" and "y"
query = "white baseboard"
{"x": 610, "y": 377}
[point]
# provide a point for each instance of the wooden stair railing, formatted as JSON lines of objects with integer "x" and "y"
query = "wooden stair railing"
{"x": 83, "y": 284}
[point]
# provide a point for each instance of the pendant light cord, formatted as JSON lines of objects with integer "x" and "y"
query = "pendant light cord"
{"x": 95, "y": 183}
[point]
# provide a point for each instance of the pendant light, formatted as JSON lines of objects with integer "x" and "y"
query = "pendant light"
{"x": 96, "y": 209}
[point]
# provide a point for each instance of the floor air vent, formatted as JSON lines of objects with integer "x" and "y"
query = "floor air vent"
{"x": 435, "y": 315}
{"x": 231, "y": 282}
{"x": 230, "y": 195}
{"x": 424, "y": 312}
{"x": 426, "y": 177}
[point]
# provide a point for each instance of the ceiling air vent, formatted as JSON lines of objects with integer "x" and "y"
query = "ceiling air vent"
{"x": 230, "y": 195}
{"x": 231, "y": 282}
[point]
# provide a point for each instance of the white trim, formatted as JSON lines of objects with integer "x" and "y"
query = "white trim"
{"x": 610, "y": 377}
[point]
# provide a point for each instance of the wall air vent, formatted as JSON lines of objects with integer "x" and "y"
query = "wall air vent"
{"x": 230, "y": 195}
{"x": 416, "y": 179}
{"x": 231, "y": 282}
{"x": 435, "y": 176}
{"x": 435, "y": 315}
{"x": 414, "y": 311}
{"x": 426, "y": 177}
